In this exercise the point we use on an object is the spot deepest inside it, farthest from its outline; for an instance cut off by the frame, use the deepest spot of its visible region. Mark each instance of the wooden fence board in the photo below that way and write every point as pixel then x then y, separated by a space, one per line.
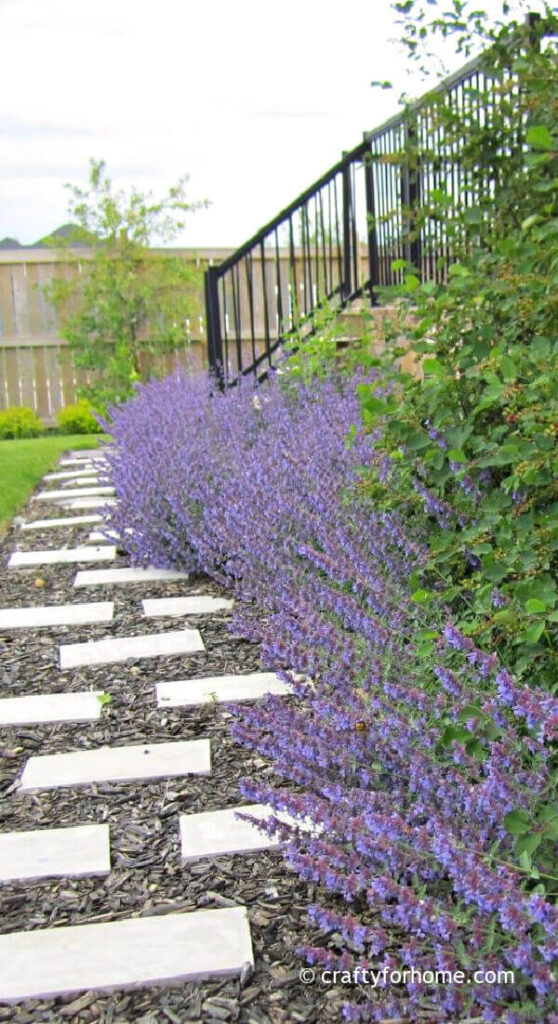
pixel 12 377
pixel 26 372
pixel 52 367
pixel 42 403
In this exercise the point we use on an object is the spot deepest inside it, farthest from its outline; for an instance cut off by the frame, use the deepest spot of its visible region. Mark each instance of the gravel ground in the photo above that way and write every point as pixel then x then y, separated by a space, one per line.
pixel 146 877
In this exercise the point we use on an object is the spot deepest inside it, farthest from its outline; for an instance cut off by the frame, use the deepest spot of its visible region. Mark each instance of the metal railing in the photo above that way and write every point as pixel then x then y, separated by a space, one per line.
pixel 341 237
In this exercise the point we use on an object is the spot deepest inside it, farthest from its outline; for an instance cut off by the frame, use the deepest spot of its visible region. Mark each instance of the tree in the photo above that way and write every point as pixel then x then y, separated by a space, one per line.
pixel 124 298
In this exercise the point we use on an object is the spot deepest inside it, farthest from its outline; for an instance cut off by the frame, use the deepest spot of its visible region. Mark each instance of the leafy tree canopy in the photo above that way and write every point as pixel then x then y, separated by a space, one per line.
pixel 125 303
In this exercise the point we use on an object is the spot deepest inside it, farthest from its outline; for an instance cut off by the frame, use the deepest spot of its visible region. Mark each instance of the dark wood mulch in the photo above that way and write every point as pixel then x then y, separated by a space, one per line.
pixel 143 818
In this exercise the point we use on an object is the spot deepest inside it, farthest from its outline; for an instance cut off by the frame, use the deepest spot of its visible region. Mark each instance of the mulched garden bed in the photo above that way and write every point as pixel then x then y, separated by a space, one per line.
pixel 143 818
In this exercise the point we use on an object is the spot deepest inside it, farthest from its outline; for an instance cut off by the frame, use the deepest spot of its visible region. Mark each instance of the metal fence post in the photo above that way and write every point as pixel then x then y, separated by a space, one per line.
pixel 347 285
pixel 372 235
pixel 410 198
pixel 213 319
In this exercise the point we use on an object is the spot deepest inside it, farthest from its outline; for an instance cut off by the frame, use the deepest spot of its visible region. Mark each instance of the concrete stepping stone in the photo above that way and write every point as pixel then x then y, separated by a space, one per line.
pixel 201 604
pixel 91 480
pixel 116 764
pixel 79 492
pixel 102 577
pixel 46 524
pixel 164 950
pixel 75 503
pixel 71 474
pixel 120 648
pixel 62 556
pixel 76 463
pixel 252 686
pixel 56 615
pixel 55 852
pixel 214 833
pixel 91 453
pixel 96 537
pixel 40 708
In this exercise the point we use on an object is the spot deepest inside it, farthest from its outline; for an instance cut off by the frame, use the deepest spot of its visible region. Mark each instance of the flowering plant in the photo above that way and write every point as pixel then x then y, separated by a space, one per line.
pixel 425 766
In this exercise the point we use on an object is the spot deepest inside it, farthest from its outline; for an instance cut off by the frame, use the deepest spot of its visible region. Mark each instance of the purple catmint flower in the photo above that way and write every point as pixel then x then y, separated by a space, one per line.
pixel 260 495
pixel 456 639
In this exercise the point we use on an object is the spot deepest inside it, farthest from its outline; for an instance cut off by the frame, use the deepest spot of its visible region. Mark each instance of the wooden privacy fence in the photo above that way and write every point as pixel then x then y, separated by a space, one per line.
pixel 36 368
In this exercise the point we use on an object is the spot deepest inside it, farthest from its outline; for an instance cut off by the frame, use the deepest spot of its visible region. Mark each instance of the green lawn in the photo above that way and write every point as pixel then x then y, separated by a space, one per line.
pixel 23 463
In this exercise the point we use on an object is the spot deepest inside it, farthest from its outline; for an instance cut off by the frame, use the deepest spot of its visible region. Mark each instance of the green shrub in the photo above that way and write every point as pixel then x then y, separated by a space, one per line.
pixel 78 419
pixel 18 421
pixel 473 443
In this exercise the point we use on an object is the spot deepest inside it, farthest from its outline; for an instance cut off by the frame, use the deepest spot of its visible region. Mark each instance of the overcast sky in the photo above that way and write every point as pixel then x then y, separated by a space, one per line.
pixel 252 99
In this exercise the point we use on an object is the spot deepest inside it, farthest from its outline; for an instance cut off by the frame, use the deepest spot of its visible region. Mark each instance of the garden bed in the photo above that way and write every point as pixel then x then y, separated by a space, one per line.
pixel 143 819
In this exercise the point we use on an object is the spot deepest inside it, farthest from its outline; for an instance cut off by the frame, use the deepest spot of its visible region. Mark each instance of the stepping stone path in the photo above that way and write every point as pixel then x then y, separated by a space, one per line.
pixel 152 949
pixel 24 559
pixel 76 851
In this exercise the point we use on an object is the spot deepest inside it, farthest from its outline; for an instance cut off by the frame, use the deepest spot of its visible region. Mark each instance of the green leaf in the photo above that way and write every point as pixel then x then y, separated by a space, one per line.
pixel 433 366
pixel 495 570
pixel 474 215
pixel 421 596
pixel 548 813
pixel 533 632
pixel 525 860
pixel 533 605
pixel 509 369
pixel 417 442
pixel 543 588
pixel 456 455
pixel 429 287
pixel 539 137
pixel 476 749
pixel 500 456
pixel 411 282
pixel 528 844
pixel 454 732
pixel 528 223
pixel 458 270
pixel 470 711
pixel 376 405
pixel 504 615
pixel 517 823
pixel 549 818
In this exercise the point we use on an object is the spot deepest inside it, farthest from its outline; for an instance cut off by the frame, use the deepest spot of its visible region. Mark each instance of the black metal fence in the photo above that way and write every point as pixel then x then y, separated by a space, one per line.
pixel 341 237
